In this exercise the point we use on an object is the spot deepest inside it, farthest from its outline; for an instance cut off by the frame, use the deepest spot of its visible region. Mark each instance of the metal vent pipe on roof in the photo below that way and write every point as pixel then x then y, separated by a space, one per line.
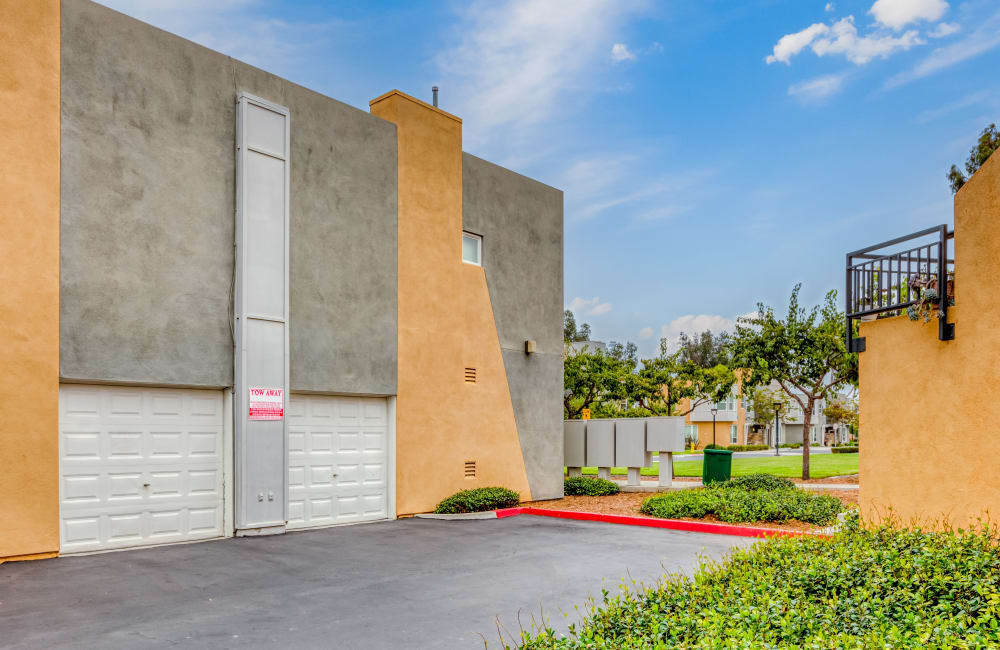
pixel 434 92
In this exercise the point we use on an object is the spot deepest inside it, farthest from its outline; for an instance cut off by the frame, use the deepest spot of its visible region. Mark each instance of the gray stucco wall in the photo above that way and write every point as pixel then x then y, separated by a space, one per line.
pixel 521 222
pixel 147 219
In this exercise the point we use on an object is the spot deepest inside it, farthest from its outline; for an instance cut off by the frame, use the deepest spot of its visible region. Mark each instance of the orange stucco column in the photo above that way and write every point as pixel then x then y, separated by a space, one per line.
pixel 29 279
pixel 446 325
pixel 928 408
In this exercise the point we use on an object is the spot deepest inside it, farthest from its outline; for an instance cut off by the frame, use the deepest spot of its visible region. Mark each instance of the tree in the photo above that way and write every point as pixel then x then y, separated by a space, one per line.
pixel 587 378
pixel 706 349
pixel 572 334
pixel 805 353
pixel 661 383
pixel 842 410
pixel 759 402
pixel 989 141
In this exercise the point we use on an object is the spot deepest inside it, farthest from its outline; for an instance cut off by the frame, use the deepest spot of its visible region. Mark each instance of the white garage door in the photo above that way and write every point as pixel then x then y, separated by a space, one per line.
pixel 337 460
pixel 139 466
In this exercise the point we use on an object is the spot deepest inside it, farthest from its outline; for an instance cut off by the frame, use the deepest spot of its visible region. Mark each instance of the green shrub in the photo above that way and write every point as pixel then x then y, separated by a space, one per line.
pixel 844 450
pixel 478 500
pixel 767 482
pixel 741 506
pixel 865 588
pixel 594 487
pixel 791 445
pixel 713 446
pixel 746 447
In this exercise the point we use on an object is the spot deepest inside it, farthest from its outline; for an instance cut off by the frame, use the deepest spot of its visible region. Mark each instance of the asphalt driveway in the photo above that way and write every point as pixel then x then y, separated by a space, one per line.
pixel 412 583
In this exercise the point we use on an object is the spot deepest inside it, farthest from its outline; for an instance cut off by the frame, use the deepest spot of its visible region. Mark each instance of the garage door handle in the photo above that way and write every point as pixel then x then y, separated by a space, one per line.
pixel 145 485
pixel 334 475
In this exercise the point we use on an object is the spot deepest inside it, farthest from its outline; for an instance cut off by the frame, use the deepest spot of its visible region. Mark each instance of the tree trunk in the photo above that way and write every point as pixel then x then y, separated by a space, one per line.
pixel 806 422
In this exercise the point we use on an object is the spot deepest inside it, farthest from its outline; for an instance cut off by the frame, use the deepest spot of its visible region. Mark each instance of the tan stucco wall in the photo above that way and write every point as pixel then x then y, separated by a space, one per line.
pixel 721 427
pixel 929 446
pixel 29 278
pixel 445 325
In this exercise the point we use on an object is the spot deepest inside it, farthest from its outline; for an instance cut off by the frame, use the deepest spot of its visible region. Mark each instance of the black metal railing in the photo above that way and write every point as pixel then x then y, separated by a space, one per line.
pixel 887 279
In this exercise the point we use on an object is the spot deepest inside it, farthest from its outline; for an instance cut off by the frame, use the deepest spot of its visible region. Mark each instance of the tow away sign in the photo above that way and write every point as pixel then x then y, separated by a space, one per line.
pixel 267 403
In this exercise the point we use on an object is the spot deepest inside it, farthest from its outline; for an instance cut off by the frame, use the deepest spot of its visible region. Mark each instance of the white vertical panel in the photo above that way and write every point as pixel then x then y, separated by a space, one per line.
pixel 261 311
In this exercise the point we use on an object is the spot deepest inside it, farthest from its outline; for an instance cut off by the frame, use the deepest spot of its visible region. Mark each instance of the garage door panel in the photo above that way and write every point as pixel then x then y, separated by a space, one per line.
pixel 139 466
pixel 337 460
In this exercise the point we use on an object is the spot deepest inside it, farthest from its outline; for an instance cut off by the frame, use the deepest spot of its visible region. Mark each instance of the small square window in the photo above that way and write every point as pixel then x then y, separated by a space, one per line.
pixel 472 249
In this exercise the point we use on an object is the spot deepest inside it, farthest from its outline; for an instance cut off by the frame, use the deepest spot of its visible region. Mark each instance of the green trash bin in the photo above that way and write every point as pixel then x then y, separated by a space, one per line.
pixel 717 466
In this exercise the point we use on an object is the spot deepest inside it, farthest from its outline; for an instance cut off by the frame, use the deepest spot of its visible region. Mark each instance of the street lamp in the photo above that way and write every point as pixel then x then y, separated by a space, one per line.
pixel 777 409
pixel 714 411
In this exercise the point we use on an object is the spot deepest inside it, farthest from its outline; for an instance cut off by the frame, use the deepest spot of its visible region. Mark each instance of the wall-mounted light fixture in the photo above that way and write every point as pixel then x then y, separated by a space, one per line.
pixel 530 347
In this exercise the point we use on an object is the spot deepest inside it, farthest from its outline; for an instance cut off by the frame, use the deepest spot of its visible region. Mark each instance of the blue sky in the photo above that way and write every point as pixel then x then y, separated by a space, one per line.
pixel 712 153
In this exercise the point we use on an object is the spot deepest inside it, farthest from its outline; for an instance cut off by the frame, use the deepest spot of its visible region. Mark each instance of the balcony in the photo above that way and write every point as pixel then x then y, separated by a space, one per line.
pixel 703 413
pixel 889 279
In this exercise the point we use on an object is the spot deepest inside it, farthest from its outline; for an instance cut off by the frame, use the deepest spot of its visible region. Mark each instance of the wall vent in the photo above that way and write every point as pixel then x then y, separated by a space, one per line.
pixel 470 375
pixel 470 469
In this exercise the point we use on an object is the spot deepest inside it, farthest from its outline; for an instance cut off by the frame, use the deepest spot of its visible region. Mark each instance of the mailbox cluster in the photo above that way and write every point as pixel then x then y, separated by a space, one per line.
pixel 623 442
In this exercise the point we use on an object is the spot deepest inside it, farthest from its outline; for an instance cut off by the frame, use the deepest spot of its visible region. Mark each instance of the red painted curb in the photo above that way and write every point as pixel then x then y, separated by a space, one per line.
pixel 672 524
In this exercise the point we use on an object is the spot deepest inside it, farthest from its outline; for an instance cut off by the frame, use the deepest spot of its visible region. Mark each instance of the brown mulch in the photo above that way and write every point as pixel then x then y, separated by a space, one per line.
pixel 851 479
pixel 627 503
pixel 848 497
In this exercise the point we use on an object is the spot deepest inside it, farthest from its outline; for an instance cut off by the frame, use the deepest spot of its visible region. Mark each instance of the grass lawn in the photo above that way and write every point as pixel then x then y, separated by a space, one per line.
pixel 820 466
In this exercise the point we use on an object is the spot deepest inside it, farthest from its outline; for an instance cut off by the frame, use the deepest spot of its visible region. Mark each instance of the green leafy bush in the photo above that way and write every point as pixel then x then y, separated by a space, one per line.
pixel 791 445
pixel 713 446
pixel 768 482
pixel 741 506
pixel 594 487
pixel 746 447
pixel 844 450
pixel 478 500
pixel 865 588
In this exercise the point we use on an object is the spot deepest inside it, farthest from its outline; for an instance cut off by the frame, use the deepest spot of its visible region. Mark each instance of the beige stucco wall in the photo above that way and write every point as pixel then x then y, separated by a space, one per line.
pixel 446 324
pixel 29 278
pixel 722 430
pixel 930 451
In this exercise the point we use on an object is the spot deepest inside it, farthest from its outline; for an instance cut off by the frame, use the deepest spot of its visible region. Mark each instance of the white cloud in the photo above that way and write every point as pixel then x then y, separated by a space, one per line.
pixel 944 29
pixel 514 63
pixel 656 198
pixel 791 44
pixel 237 28
pixel 620 52
pixel 978 99
pixel 591 307
pixel 899 13
pixel 646 333
pixel 982 40
pixel 817 89
pixel 842 38
pixel 694 324
pixel 829 7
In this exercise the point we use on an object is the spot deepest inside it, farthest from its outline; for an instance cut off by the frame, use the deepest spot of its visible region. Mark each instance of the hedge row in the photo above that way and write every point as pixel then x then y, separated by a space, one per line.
pixel 478 500
pixel 741 506
pixel 594 487
pixel 746 447
pixel 865 588
pixel 844 450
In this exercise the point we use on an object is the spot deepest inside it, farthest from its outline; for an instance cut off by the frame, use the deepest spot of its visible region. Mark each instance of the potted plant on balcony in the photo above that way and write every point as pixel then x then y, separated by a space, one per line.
pixel 929 302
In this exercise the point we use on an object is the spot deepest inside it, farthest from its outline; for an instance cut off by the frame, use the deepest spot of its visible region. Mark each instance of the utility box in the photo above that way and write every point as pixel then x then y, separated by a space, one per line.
pixel 665 434
pixel 574 443
pixel 630 443
pixel 600 450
